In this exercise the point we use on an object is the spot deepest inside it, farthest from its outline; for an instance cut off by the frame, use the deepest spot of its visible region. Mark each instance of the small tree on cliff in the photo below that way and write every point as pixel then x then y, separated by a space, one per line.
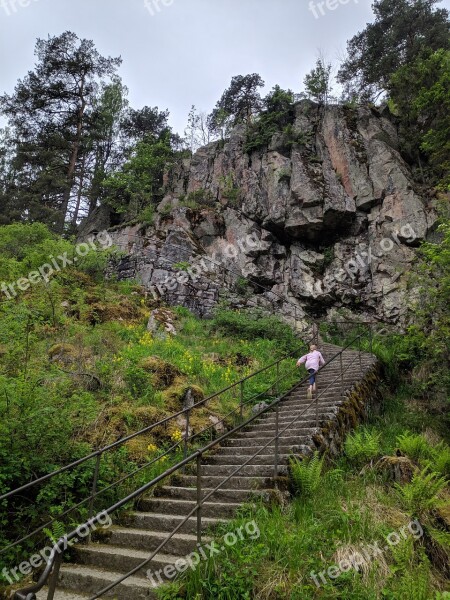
pixel 318 82
pixel 239 103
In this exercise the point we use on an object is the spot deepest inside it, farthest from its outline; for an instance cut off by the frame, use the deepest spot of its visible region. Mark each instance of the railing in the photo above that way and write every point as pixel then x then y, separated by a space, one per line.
pixel 51 572
pixel 235 389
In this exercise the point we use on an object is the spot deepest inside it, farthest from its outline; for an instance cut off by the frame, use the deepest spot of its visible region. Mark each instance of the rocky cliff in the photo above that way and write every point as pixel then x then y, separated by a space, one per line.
pixel 327 218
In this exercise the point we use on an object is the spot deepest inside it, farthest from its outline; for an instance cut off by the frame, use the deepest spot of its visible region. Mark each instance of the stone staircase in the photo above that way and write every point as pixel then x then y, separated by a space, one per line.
pixel 124 546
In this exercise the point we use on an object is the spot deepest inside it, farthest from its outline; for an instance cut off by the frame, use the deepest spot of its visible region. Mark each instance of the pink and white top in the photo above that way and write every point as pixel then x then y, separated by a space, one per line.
pixel 313 360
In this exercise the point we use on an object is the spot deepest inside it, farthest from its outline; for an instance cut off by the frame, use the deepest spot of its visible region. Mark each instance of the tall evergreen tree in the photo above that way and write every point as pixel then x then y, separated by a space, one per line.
pixel 238 104
pixel 403 31
pixel 51 113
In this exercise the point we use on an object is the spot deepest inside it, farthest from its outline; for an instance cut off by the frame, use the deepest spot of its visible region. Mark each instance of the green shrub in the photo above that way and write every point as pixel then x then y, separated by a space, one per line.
pixel 422 493
pixel 307 474
pixel 415 446
pixel 253 324
pixel 198 199
pixel 147 216
pixel 440 459
pixel 362 446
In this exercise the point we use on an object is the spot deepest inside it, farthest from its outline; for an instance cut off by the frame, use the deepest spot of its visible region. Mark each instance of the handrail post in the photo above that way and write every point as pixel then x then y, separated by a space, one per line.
pixel 241 407
pixel 277 440
pixel 94 491
pixel 199 499
pixel 342 375
pixel 317 409
pixel 55 575
pixel 186 435
pixel 277 383
pixel 359 351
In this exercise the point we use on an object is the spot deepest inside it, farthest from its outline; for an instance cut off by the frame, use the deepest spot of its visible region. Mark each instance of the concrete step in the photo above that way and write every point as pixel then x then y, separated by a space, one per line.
pixel 61 595
pixel 236 482
pixel 251 450
pixel 223 496
pixel 250 470
pixel 91 580
pixel 138 539
pixel 286 417
pixel 154 521
pixel 239 459
pixel 121 560
pixel 170 506
pixel 303 419
pixel 285 440
pixel 268 433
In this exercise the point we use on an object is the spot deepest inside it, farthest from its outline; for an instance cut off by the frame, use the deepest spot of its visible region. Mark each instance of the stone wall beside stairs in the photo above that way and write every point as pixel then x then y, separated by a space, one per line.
pixel 361 402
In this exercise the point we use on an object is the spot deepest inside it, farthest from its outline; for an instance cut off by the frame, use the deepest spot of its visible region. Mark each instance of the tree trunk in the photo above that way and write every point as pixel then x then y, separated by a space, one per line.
pixel 72 163
pixel 79 195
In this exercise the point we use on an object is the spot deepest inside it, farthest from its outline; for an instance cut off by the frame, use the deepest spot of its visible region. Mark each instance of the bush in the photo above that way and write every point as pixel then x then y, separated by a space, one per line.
pixel 255 324
pixel 414 446
pixel 306 474
pixel 422 493
pixel 362 446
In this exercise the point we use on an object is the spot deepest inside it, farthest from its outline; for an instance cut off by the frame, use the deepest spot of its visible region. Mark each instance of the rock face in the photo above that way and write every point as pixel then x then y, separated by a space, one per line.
pixel 325 219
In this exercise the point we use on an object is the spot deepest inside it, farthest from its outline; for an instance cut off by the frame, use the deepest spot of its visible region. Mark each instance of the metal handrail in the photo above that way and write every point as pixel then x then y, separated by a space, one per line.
pixel 55 558
pixel 122 441
pixel 100 452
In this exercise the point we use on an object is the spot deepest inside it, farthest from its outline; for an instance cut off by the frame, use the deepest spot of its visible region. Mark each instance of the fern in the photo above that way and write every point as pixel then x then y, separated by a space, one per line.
pixel 421 494
pixel 306 474
pixel 57 531
pixel 413 568
pixel 415 584
pixel 440 459
pixel 414 446
pixel 362 446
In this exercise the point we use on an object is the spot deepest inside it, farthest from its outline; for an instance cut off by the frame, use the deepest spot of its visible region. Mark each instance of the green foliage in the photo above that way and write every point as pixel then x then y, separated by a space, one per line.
pixel 277 117
pixel 147 216
pixel 138 184
pixel 362 446
pixel 229 191
pixel 53 113
pixel 414 446
pixel 440 459
pixel 422 493
pixel 424 109
pixel 238 103
pixel 402 31
pixel 317 82
pixel 307 474
pixel 198 199
pixel 253 324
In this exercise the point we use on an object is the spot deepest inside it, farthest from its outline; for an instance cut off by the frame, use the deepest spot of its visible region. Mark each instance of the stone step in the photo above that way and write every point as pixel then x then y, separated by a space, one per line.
pixel 236 482
pixel 91 580
pixel 239 459
pixel 303 419
pixel 285 440
pixel 154 521
pixel 180 544
pixel 250 470
pixel 61 595
pixel 268 433
pixel 170 506
pixel 289 415
pixel 122 560
pixel 250 450
pixel 223 495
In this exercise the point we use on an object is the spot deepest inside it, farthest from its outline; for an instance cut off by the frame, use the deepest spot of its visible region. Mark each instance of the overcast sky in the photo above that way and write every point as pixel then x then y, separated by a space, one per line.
pixel 182 52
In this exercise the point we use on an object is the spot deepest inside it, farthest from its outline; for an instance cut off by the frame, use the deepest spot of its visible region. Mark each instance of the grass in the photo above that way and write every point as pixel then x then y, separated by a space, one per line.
pixel 348 511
